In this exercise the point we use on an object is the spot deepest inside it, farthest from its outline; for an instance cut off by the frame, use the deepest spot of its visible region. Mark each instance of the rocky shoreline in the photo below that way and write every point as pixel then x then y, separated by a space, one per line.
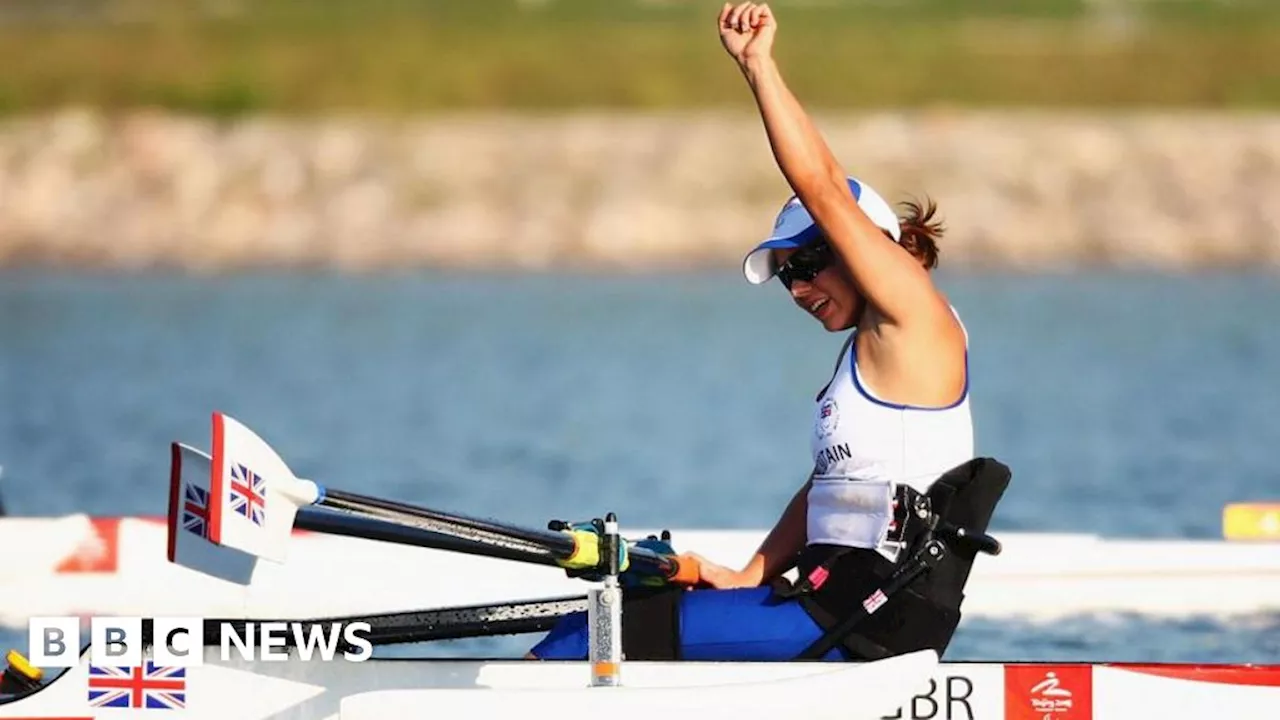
pixel 1016 189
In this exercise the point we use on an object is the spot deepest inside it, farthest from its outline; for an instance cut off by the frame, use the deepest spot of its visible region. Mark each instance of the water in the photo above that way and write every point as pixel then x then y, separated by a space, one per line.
pixel 1125 404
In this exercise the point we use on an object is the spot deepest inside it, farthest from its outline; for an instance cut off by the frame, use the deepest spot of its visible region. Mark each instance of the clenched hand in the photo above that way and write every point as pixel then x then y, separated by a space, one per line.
pixel 747 31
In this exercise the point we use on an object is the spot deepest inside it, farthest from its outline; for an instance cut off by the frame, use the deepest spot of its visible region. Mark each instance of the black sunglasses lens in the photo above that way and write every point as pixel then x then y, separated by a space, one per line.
pixel 805 264
pixel 790 274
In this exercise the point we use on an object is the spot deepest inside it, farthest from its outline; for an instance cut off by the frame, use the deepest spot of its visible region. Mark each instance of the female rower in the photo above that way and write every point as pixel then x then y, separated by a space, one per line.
pixel 895 413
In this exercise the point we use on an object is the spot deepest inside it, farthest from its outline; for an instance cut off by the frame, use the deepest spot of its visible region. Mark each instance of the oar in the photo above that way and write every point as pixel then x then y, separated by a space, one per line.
pixel 518 617
pixel 565 549
pixel 256 498
pixel 327 522
pixel 323 520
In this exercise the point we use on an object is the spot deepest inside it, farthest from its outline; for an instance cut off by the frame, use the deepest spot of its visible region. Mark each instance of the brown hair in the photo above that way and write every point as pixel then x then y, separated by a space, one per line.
pixel 920 231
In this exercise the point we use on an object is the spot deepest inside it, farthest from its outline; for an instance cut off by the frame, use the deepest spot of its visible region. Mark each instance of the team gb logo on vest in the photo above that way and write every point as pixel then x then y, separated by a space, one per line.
pixel 828 417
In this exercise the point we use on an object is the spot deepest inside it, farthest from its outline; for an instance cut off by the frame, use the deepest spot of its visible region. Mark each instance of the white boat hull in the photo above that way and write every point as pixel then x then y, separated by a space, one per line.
pixel 668 690
pixel 907 688
pixel 117 566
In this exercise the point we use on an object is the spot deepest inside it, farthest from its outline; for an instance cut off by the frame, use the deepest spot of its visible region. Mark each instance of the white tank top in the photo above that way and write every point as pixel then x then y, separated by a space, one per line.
pixel 864 447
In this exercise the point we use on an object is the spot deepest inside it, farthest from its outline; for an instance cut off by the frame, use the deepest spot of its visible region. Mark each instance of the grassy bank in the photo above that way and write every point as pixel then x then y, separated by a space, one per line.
pixel 296 56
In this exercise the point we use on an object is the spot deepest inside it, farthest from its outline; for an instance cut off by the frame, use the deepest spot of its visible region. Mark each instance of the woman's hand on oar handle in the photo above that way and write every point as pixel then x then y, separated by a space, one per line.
pixel 712 574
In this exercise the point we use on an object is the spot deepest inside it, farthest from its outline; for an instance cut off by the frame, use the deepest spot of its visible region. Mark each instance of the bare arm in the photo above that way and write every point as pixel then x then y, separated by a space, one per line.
pixel 892 280
pixel 777 554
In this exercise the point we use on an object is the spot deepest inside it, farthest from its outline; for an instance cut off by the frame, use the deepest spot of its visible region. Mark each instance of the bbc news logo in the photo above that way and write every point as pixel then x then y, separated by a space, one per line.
pixel 55 642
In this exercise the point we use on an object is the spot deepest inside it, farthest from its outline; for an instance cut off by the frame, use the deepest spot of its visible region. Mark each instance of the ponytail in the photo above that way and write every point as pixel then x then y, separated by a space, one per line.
pixel 920 231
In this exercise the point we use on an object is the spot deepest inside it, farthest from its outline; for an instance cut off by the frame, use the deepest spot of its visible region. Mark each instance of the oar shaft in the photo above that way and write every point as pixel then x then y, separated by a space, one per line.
pixel 552 545
pixel 369 528
pixel 414 626
pixel 545 547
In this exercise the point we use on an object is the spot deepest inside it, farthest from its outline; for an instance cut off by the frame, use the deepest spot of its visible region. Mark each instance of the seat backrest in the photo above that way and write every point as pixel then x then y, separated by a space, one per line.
pixel 965 496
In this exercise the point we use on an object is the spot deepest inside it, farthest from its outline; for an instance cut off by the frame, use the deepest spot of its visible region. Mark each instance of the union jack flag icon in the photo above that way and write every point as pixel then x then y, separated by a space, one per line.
pixel 195 510
pixel 248 493
pixel 155 687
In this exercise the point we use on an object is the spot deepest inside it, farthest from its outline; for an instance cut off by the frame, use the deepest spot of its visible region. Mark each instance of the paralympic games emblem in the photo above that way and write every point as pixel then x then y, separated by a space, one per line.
pixel 828 417
pixel 1053 692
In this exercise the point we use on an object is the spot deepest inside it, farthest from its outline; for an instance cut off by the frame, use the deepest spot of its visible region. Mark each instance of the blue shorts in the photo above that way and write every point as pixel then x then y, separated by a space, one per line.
pixel 715 625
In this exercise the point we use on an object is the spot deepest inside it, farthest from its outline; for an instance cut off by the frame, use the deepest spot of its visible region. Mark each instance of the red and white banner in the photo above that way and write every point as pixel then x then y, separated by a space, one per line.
pixel 1104 691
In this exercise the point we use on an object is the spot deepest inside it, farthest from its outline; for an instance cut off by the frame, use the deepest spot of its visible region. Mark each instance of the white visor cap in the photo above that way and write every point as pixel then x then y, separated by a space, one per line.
pixel 794 227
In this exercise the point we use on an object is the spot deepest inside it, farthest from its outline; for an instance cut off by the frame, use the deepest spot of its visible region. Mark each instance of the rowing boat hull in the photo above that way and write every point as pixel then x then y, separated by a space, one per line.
pixel 117 566
pixel 915 688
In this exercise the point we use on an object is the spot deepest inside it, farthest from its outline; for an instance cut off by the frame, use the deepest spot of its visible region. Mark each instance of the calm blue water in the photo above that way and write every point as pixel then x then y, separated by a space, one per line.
pixel 1125 404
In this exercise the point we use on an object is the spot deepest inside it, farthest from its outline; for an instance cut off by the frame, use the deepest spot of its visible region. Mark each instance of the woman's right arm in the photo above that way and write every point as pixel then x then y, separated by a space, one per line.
pixel 776 555
pixel 892 280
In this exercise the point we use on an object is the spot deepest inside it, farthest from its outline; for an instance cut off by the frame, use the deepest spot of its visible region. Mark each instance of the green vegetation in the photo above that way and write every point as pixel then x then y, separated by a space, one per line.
pixel 299 56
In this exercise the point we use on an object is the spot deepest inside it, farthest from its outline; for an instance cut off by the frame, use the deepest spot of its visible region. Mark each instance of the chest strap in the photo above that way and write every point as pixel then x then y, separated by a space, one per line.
pixel 927 623
pixel 910 511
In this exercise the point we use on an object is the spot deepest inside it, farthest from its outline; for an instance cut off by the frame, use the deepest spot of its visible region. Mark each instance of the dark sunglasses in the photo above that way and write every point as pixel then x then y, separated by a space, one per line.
pixel 805 263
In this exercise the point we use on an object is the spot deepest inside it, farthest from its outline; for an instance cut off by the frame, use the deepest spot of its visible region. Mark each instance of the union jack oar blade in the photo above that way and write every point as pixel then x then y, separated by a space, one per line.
pixel 254 496
pixel 188 520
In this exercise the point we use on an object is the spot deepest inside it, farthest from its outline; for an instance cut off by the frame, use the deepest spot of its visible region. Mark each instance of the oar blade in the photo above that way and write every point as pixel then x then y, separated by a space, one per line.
pixel 254 494
pixel 188 532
